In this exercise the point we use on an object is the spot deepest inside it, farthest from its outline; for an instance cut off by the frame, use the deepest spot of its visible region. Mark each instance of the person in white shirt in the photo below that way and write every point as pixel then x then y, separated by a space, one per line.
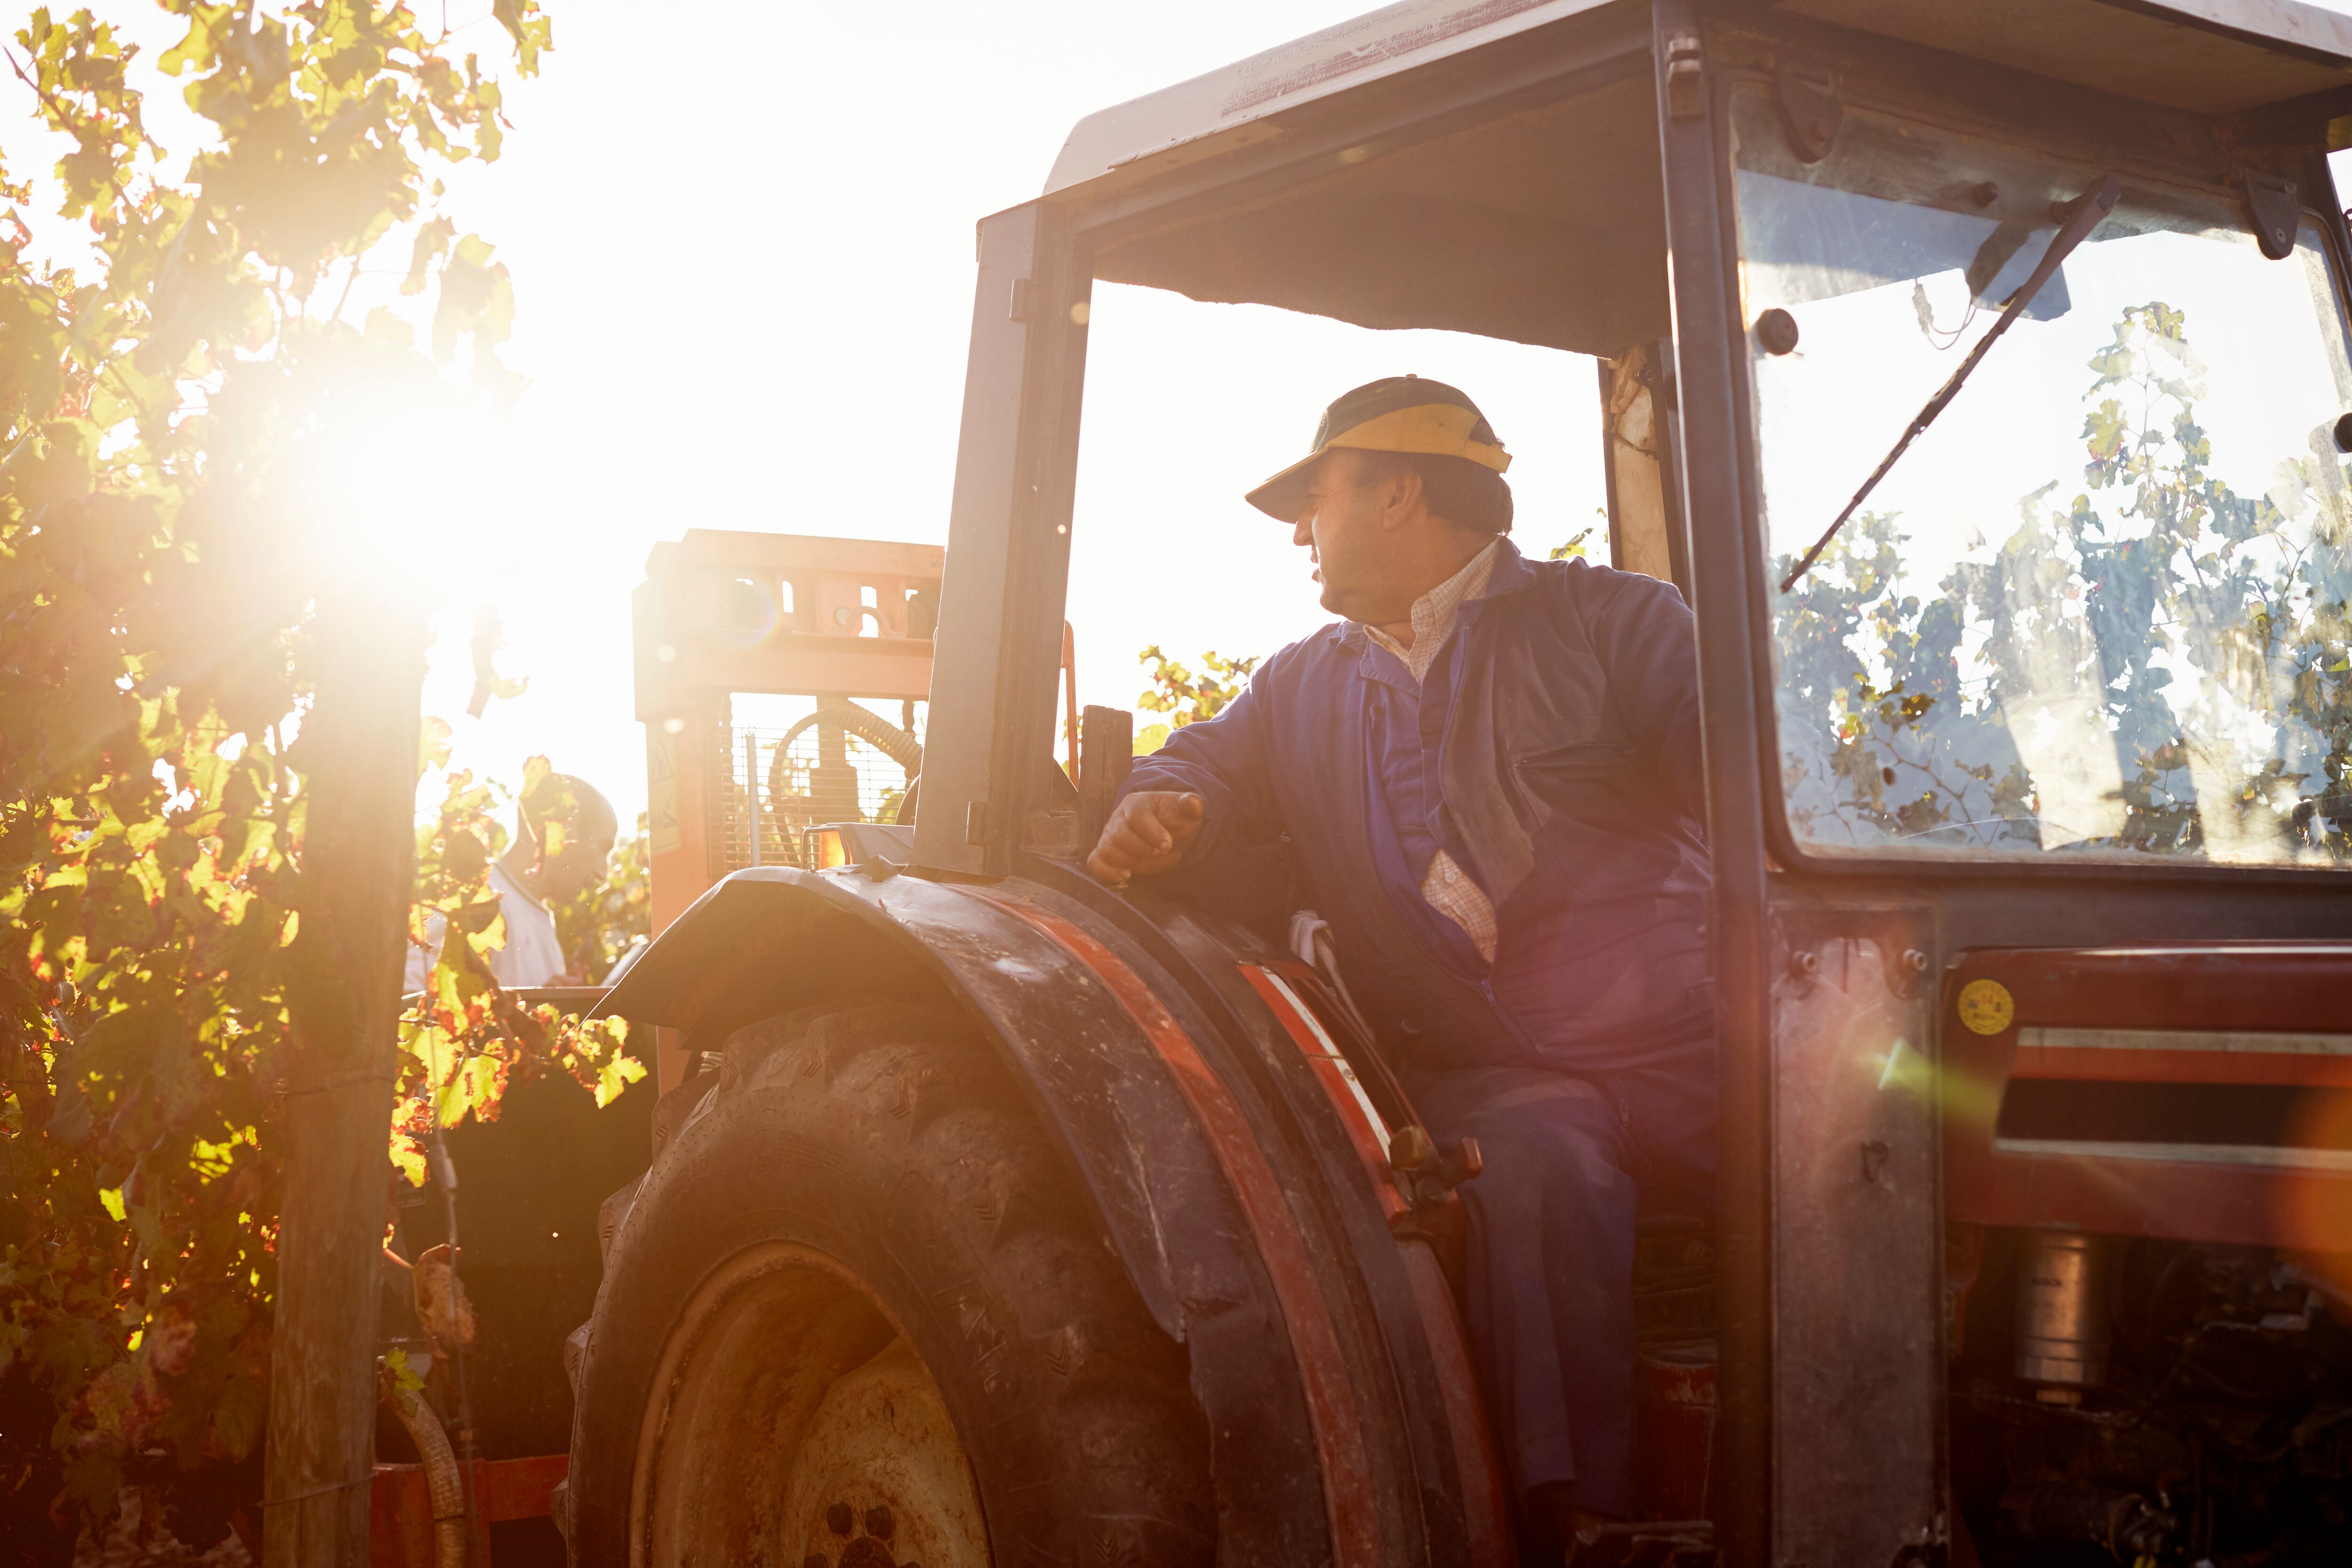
pixel 530 878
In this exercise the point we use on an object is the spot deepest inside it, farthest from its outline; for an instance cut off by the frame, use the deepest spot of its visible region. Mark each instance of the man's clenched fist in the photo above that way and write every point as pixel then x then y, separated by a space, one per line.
pixel 1147 832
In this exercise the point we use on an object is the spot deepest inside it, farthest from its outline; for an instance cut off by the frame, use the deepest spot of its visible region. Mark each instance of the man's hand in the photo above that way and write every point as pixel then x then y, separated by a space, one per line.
pixel 1147 833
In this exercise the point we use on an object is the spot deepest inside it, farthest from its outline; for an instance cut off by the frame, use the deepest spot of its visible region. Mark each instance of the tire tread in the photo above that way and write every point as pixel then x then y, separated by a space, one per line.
pixel 1089 1418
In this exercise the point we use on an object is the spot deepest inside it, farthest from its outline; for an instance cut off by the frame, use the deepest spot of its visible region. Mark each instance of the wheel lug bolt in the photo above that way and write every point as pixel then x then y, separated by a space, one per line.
pixel 838 1519
pixel 878 1521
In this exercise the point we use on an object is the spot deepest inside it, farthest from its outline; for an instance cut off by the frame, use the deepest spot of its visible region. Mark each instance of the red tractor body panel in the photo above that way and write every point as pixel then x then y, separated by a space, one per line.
pixel 2195 1092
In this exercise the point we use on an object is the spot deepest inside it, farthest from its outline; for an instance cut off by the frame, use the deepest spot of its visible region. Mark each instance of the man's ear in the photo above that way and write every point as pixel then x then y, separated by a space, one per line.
pixel 1402 501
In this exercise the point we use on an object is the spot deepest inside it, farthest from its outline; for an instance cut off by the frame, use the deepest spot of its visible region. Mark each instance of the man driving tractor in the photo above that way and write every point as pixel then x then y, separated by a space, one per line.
pixel 1488 775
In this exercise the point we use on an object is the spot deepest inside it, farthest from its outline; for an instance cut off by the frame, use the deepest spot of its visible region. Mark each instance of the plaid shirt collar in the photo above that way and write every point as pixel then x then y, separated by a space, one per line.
pixel 1434 614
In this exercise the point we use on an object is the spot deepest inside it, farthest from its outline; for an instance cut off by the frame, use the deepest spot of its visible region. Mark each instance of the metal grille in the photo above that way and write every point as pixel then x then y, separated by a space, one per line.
pixel 790 772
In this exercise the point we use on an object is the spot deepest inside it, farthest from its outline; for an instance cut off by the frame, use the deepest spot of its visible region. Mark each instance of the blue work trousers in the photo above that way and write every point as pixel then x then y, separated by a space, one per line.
pixel 1569 1161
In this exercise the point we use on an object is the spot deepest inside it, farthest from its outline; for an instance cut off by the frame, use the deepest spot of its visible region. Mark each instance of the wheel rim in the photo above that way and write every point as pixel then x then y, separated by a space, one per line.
pixel 791 1422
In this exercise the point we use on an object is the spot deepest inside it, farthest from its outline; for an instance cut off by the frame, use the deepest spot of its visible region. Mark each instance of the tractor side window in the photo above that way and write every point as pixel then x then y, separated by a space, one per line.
pixel 2099 606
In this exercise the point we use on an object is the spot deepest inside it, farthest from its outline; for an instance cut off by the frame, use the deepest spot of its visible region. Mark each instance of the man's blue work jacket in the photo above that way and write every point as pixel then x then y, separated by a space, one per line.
pixel 1569 774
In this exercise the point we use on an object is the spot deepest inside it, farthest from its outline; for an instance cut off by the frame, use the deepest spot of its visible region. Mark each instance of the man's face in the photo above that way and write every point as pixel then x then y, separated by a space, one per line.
pixel 587 852
pixel 1342 527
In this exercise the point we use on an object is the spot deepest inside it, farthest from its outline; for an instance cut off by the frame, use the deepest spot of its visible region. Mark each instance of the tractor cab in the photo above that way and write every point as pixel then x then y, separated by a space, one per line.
pixel 1980 376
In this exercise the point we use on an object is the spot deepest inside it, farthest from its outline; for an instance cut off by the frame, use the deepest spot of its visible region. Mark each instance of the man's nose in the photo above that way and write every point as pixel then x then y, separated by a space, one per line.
pixel 1303 531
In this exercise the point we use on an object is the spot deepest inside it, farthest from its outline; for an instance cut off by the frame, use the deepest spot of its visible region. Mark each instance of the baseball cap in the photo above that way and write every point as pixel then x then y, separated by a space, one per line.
pixel 1394 413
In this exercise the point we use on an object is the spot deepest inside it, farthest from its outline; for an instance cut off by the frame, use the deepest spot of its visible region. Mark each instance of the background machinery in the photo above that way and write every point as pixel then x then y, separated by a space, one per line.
pixel 781 680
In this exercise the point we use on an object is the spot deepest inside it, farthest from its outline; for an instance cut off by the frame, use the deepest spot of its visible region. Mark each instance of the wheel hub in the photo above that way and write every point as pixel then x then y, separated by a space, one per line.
pixel 880 1480
pixel 792 1423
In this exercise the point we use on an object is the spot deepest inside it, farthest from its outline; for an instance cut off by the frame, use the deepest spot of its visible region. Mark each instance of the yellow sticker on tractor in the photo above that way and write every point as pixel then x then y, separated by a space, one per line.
pixel 1987 1008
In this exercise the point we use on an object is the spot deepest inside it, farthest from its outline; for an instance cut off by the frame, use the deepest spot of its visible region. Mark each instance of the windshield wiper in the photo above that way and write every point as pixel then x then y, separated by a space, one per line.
pixel 2081 217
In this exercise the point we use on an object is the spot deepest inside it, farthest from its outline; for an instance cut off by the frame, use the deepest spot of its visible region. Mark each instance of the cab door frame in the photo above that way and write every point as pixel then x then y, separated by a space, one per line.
pixel 999 648
pixel 1832 1218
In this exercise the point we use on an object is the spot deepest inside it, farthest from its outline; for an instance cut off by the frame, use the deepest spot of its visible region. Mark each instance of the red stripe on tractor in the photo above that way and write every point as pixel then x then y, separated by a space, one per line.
pixel 1486 1511
pixel 2105 1064
pixel 1323 1368
pixel 1325 1067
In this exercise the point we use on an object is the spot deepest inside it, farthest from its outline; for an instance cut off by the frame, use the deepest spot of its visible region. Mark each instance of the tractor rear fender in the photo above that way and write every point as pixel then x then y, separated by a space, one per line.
pixel 1323 1351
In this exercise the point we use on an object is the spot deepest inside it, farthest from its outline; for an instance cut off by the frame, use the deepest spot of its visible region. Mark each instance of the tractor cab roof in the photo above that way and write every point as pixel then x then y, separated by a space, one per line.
pixel 1542 223
pixel 2212 57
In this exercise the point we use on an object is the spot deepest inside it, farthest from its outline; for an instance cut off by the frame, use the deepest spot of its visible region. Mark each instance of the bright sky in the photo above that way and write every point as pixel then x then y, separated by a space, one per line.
pixel 741 239
pixel 744 276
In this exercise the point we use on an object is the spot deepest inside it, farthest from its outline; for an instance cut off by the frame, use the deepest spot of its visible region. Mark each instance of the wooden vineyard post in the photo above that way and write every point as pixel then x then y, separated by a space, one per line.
pixel 359 749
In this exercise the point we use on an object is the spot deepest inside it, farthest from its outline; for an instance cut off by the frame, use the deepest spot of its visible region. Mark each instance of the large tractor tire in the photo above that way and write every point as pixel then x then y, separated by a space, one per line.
pixel 860 1313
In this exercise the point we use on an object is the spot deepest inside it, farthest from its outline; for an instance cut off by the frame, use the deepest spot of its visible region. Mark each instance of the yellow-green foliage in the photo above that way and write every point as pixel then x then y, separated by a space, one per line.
pixel 1184 697
pixel 158 562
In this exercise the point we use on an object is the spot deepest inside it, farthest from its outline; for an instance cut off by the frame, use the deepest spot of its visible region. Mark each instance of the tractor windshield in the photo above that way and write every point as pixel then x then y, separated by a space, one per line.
pixel 2099 606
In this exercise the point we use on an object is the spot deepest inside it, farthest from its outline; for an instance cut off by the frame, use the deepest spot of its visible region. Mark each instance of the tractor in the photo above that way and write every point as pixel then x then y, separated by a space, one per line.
pixel 993 1215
